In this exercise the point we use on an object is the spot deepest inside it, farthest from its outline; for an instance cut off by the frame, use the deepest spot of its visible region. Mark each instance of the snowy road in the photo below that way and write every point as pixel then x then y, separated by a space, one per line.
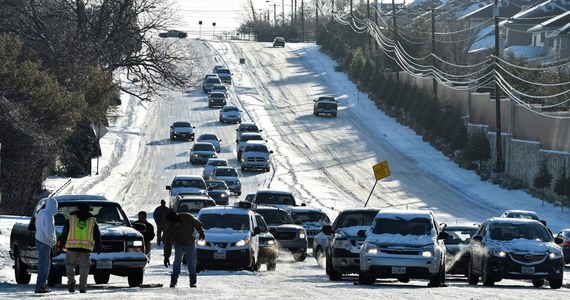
pixel 326 162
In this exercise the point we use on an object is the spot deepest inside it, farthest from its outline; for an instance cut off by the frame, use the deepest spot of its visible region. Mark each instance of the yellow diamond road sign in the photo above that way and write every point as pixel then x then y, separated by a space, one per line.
pixel 381 170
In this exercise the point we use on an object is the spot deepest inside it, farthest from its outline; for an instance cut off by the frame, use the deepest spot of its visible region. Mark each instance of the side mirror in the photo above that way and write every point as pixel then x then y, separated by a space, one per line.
pixel 211 188
pixel 168 187
pixel 260 130
pixel 327 229
pixel 477 238
pixel 443 235
pixel 361 233
pixel 271 152
pixel 256 230
pixel 303 204
pixel 558 240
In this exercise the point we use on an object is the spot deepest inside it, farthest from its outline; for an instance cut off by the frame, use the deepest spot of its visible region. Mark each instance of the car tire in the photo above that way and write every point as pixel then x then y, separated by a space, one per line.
pixel 271 266
pixel 472 278
pixel 136 279
pixel 101 278
pixel 487 278
pixel 537 283
pixel 333 274
pixel 300 256
pixel 366 279
pixel 555 283
pixel 21 270
pixel 439 278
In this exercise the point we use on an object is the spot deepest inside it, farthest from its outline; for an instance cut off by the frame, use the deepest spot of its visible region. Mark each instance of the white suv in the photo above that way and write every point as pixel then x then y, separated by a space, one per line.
pixel 403 244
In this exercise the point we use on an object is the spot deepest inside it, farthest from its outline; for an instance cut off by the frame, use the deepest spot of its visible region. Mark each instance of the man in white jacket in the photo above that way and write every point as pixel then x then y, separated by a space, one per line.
pixel 45 240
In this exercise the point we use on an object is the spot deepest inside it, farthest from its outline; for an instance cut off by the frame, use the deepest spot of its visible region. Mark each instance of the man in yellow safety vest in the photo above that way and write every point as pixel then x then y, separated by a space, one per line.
pixel 80 236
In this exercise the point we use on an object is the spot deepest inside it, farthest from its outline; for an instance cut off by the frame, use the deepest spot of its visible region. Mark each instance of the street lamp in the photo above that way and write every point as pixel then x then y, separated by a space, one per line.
pixel 213 30
pixel 200 32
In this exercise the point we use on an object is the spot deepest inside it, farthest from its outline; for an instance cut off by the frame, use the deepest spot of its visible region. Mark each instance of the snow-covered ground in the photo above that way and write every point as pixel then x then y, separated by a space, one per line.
pixel 326 162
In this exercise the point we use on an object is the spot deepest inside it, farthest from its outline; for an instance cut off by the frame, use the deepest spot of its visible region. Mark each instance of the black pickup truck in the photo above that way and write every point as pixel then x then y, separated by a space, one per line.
pixel 122 250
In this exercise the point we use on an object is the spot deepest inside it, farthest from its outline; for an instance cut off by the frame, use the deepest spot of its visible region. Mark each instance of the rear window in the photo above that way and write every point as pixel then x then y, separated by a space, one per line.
pixel 275 216
pixel 280 199
pixel 311 217
pixel 363 218
pixel 194 205
pixel 189 183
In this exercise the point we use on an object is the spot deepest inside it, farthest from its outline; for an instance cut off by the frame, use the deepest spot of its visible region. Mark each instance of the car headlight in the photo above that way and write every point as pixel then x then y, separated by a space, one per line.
pixel 371 249
pixel 243 160
pixel 302 234
pixel 242 242
pixel 427 253
pixel 555 255
pixel 342 244
pixel 498 253
pixel 238 182
pixel 135 246
pixel 269 242
pixel 201 242
pixel 194 155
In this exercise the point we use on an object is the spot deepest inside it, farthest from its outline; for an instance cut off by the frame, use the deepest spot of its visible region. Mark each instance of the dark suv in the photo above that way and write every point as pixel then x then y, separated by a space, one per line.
pixel 289 236
pixel 279 42
pixel 325 106
pixel 508 248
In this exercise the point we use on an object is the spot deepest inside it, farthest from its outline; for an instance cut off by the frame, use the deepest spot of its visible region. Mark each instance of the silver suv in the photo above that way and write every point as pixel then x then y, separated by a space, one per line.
pixel 403 244
pixel 255 155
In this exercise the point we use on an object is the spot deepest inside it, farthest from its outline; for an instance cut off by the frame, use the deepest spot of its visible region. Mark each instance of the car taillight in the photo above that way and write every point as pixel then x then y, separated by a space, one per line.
pixel 566 243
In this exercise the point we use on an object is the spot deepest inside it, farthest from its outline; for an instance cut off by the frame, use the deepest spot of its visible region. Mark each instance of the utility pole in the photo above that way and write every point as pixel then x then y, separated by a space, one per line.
pixel 350 21
pixel 498 146
pixel 433 54
pixel 274 14
pixel 376 19
pixel 396 41
pixel 316 16
pixel 295 11
pixel 283 11
pixel 332 10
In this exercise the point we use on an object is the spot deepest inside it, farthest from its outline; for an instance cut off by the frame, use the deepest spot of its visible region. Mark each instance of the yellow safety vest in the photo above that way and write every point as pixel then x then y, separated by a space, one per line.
pixel 80 233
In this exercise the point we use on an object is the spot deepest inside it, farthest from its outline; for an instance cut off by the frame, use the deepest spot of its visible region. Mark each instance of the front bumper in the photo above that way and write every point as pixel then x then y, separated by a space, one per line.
pixel 201 158
pixel 231 119
pixel 116 263
pixel 225 259
pixel 345 262
pixel 183 135
pixel 508 268
pixel 400 266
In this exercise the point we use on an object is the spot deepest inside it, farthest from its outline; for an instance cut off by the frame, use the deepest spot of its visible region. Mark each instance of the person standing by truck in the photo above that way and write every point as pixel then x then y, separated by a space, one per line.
pixel 80 236
pixel 159 217
pixel 179 230
pixel 147 230
pixel 45 240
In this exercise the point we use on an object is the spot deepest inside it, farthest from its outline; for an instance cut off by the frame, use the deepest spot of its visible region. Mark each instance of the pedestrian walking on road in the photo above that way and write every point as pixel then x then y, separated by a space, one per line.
pixel 147 230
pixel 179 229
pixel 159 217
pixel 80 236
pixel 45 240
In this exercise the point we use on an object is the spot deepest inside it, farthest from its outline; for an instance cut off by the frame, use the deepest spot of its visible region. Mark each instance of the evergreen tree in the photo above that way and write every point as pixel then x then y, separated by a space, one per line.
pixel 478 148
pixel 543 179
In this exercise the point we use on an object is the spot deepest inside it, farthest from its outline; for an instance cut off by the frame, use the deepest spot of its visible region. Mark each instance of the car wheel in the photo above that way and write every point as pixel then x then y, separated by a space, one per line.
pixel 267 169
pixel 102 278
pixel 21 270
pixel 487 278
pixel 437 279
pixel 365 278
pixel 239 193
pixel 300 256
pixel 537 283
pixel 136 279
pixel 333 274
pixel 555 283
pixel 271 266
pixel 472 277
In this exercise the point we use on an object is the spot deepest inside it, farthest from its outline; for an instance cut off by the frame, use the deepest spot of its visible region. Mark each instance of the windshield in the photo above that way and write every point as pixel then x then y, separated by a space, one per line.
pixel 235 222
pixel 253 137
pixel 256 148
pixel 280 199
pixel 182 124
pixel 189 183
pixel 327 105
pixel 508 231
pixel 105 213
pixel 194 205
pixel 208 137
pixel 249 128
pixel 311 217
pixel 223 71
pixel 204 147
pixel 415 226
pixel 230 172
pixel 213 80
pixel 218 163
pixel 459 236
pixel 231 108
pixel 276 216
pixel 217 185
pixel 361 218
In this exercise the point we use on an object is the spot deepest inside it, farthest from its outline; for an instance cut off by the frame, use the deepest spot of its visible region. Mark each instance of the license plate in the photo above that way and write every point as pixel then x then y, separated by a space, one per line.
pixel 220 255
pixel 527 270
pixel 104 264
pixel 398 270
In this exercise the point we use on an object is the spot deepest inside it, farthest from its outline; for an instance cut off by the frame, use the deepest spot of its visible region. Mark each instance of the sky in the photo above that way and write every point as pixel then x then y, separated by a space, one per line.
pixel 113 168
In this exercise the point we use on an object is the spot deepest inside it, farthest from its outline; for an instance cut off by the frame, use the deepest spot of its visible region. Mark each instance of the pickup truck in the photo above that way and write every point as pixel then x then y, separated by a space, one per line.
pixel 325 106
pixel 122 250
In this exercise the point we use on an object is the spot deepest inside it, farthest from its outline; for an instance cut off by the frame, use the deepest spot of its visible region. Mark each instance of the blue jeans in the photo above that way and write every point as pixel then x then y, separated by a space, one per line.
pixel 44 262
pixel 189 251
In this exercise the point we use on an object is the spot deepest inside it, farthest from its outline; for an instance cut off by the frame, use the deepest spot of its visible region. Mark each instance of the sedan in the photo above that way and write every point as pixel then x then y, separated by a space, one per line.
pixel 212 139
pixel 230 114
pixel 182 129
pixel 217 99
pixel 564 235
pixel 211 164
pixel 173 33
pixel 201 152
pixel 219 191
pixel 457 246
pixel 230 176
